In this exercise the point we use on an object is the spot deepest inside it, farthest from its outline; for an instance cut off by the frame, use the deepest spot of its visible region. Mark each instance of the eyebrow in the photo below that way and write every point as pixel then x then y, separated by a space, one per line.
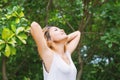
pixel 54 28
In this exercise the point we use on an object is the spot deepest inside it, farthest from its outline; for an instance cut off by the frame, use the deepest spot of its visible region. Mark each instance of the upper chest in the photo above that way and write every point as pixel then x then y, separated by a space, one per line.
pixel 64 64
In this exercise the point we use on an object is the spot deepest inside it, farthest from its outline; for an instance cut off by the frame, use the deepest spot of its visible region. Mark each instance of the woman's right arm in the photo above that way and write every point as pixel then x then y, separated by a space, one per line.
pixel 38 36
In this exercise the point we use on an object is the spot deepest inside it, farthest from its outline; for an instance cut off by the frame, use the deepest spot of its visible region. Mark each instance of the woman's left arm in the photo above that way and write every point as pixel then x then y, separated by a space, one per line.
pixel 73 40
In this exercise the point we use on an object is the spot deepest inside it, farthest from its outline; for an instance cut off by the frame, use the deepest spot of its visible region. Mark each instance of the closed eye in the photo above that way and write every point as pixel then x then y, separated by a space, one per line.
pixel 56 30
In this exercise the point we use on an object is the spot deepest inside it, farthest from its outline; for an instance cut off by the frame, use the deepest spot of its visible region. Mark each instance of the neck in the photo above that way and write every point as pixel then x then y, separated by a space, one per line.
pixel 59 48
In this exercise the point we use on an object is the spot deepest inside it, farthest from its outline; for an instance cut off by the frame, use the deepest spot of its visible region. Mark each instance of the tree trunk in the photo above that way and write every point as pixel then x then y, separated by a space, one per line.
pixel 79 75
pixel 4 75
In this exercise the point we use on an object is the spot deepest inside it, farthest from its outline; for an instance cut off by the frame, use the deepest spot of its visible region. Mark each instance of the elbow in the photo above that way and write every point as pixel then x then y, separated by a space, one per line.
pixel 34 24
pixel 78 33
pixel 33 27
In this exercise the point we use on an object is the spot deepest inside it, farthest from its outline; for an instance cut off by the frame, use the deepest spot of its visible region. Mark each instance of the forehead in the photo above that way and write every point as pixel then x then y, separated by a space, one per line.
pixel 53 28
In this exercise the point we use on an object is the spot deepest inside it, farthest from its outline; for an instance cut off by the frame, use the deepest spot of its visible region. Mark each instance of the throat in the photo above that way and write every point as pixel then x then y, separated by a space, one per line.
pixel 60 49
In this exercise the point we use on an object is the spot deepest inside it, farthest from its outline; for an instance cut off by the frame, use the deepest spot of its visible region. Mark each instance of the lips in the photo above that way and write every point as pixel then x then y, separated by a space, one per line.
pixel 63 33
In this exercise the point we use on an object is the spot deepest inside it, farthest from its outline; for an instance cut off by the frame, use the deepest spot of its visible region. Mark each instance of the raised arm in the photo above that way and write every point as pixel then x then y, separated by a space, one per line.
pixel 38 36
pixel 73 40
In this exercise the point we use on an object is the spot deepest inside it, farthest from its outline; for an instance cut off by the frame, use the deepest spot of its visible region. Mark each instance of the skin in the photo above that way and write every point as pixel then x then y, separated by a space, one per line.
pixel 59 40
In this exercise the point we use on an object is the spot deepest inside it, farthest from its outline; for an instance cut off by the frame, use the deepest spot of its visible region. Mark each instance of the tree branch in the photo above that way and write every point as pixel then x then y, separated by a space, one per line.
pixel 4 75
pixel 48 7
pixel 100 33
pixel 98 3
pixel 69 25
pixel 79 75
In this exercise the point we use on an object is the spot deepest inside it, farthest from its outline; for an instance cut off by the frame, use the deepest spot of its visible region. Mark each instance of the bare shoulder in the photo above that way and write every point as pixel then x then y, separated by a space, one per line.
pixel 47 54
pixel 47 58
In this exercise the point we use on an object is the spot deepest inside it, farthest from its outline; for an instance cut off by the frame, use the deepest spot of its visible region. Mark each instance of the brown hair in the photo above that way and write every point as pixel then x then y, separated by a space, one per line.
pixel 46 31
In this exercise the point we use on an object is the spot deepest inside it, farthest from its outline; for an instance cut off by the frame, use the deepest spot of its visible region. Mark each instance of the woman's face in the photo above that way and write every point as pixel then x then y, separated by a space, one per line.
pixel 57 34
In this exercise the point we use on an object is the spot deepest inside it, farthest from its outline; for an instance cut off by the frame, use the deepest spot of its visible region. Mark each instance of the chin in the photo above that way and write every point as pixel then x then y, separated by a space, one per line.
pixel 65 37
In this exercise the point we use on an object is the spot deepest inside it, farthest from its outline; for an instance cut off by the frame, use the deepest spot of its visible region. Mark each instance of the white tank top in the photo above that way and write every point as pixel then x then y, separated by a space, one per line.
pixel 60 70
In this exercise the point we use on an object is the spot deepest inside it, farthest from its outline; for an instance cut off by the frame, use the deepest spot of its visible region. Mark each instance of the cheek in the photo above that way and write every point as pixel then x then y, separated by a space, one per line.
pixel 55 35
pixel 59 37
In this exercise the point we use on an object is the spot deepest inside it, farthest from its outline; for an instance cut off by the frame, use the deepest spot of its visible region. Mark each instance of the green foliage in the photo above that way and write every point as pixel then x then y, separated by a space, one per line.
pixel 99 45
pixel 15 27
pixel 25 78
pixel 112 37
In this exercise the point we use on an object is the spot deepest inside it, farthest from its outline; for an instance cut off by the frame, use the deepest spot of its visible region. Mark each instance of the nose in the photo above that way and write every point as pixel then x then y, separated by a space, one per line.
pixel 62 30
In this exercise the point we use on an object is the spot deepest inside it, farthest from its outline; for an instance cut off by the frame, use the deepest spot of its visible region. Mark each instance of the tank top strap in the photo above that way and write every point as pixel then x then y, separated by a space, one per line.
pixel 52 65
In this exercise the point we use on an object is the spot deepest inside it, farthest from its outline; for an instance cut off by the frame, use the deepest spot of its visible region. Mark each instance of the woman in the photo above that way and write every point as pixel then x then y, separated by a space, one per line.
pixel 55 48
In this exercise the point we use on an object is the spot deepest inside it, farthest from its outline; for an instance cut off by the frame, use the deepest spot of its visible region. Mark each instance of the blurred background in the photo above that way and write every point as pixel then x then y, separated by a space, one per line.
pixel 97 56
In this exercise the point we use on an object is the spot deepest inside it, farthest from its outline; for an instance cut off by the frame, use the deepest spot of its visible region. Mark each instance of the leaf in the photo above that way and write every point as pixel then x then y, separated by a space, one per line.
pixel 2 42
pixel 17 20
pixel 13 50
pixel 12 42
pixel 21 14
pixel 13 27
pixel 14 14
pixel 110 45
pixel 25 78
pixel 20 29
pixel 93 72
pixel 107 41
pixel 27 29
pixel 7 51
pixel 2 46
pixel 22 38
pixel 103 37
pixel 15 8
pixel 8 16
pixel 7 34
pixel 115 41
